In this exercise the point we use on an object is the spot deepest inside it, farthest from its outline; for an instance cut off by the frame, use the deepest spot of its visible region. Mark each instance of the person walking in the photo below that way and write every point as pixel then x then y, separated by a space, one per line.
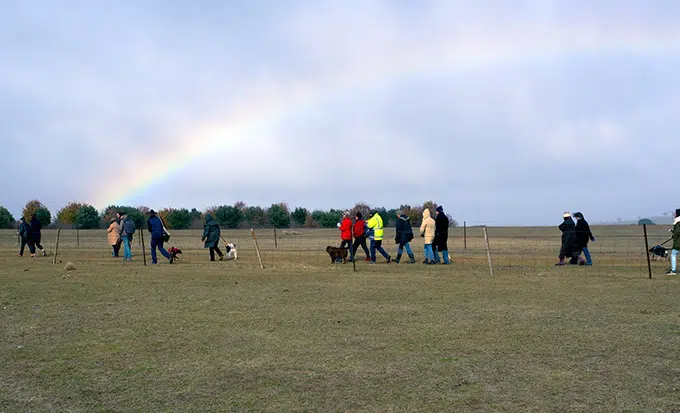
pixel 377 233
pixel 441 236
pixel 427 230
pixel 114 237
pixel 345 227
pixel 359 231
pixel 403 237
pixel 24 232
pixel 157 230
pixel 211 237
pixel 127 230
pixel 36 235
pixel 676 243
pixel 583 235
pixel 568 247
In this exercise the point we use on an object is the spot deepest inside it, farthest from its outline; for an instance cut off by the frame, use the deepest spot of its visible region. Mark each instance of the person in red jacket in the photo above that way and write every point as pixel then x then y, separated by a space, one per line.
pixel 345 228
pixel 360 237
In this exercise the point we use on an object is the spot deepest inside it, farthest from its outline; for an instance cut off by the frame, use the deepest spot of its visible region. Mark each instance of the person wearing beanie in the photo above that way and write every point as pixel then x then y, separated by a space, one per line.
pixel 583 235
pixel 568 247
pixel 676 243
pixel 345 228
pixel 377 233
pixel 441 236
pixel 359 231
pixel 403 237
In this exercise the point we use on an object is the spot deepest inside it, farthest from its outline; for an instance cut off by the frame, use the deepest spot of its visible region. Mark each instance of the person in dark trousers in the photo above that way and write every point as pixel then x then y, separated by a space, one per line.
pixel 36 235
pixel 24 232
pixel 583 235
pixel 441 236
pixel 676 243
pixel 359 231
pixel 211 237
pixel 345 228
pixel 376 234
pixel 568 248
pixel 157 230
pixel 403 237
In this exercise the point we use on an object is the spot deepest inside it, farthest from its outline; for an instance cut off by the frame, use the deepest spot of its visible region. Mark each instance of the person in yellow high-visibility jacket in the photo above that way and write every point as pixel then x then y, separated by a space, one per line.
pixel 376 234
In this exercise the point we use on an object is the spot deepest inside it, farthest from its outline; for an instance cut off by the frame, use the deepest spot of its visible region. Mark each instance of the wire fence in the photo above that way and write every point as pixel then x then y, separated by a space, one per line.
pixel 617 251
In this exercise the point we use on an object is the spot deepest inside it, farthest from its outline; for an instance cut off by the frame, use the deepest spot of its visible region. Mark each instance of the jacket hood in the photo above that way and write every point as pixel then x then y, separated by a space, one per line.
pixel 404 217
pixel 426 213
pixel 208 217
pixel 676 220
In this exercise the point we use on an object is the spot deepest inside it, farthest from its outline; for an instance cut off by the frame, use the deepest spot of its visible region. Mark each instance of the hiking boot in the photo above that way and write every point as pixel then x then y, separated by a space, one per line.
pixel 222 257
pixel 398 258
pixel 368 259
pixel 670 272
pixel 44 253
pixel 389 259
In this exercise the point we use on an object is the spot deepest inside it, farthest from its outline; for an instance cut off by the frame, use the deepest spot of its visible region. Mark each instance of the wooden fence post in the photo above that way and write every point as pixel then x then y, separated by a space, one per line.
pixel 56 247
pixel 257 248
pixel 464 235
pixel 488 250
pixel 141 241
pixel 649 263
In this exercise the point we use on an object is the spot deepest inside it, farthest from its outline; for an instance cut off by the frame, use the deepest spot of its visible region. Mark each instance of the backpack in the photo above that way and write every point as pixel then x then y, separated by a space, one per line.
pixel 129 226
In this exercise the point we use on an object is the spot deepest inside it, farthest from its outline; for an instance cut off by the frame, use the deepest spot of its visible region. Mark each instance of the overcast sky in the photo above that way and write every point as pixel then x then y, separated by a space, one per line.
pixel 503 112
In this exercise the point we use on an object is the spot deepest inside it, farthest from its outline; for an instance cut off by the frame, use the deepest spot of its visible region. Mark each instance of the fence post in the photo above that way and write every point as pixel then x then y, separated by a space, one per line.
pixel 488 250
pixel 141 241
pixel 464 235
pixel 649 263
pixel 77 237
pixel 257 248
pixel 56 247
pixel 276 242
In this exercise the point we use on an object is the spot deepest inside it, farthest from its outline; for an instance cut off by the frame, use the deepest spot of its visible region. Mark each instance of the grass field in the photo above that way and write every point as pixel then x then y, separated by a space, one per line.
pixel 306 335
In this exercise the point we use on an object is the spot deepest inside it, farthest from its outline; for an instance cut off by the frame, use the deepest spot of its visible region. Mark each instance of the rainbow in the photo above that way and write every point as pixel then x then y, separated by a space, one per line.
pixel 243 123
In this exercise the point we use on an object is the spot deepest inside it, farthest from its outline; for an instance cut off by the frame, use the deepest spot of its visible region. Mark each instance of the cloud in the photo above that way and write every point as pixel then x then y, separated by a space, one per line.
pixel 528 107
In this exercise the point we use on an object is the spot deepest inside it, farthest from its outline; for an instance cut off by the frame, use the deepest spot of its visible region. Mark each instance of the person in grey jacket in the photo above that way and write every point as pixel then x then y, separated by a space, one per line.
pixel 127 229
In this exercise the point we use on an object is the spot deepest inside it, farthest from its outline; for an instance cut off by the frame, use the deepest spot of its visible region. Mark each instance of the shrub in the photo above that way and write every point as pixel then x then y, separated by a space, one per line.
pixel 6 218
pixel 228 216
pixel 279 215
pixel 256 217
pixel 87 217
pixel 67 215
pixel 36 207
pixel 300 216
pixel 178 219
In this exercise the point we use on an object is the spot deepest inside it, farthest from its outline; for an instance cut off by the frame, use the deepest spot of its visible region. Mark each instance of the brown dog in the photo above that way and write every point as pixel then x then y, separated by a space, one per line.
pixel 336 253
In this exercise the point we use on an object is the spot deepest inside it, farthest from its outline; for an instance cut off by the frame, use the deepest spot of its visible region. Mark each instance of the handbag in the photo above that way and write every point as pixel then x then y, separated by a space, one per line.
pixel 166 234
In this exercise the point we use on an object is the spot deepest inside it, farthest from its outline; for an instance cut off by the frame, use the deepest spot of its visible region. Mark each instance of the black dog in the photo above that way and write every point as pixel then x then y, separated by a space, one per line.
pixel 174 252
pixel 658 253
pixel 337 253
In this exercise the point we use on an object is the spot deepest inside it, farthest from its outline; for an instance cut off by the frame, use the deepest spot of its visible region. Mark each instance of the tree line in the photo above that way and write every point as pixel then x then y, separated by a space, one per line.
pixel 84 216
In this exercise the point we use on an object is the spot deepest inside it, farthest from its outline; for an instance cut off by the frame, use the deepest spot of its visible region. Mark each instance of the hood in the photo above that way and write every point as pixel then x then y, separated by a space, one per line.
pixel 426 213
pixel 208 217
pixel 404 217
pixel 676 220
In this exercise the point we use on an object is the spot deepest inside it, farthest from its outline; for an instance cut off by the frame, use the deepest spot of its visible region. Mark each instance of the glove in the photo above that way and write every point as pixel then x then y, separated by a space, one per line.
pixel 592 239
pixel 338 224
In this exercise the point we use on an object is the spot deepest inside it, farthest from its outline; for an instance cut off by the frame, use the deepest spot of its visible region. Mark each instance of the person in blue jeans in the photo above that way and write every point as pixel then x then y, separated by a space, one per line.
pixel 157 230
pixel 676 243
pixel 583 235
pixel 127 229
pixel 404 237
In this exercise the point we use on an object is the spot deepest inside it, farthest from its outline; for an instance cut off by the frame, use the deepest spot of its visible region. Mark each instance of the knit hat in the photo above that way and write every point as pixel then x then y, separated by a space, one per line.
pixel 566 215
pixel 677 212
pixel 360 215
pixel 578 215
pixel 440 209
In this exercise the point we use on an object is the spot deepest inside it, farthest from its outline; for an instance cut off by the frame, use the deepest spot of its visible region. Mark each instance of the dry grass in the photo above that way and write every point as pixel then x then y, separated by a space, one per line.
pixel 305 335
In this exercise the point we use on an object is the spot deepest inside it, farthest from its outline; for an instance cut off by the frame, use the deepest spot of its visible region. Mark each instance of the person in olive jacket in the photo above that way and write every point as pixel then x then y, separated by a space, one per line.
pixel 676 243
pixel 403 237
pixel 211 237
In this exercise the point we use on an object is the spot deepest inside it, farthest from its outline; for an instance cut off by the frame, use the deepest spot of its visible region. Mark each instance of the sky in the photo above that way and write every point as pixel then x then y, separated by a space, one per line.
pixel 505 113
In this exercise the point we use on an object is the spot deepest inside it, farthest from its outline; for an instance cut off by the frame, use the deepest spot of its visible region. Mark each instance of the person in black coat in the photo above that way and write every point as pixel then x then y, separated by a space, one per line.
pixel 441 236
pixel 24 232
pixel 36 234
pixel 583 235
pixel 569 247
pixel 403 237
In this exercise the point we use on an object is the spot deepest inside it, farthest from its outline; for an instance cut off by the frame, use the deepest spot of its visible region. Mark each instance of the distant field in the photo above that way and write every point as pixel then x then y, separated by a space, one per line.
pixel 306 335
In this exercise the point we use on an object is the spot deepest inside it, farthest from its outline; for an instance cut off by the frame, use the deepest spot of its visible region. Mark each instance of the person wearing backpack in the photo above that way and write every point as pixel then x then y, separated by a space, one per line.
pixel 127 229
pixel 24 232
pixel 158 233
